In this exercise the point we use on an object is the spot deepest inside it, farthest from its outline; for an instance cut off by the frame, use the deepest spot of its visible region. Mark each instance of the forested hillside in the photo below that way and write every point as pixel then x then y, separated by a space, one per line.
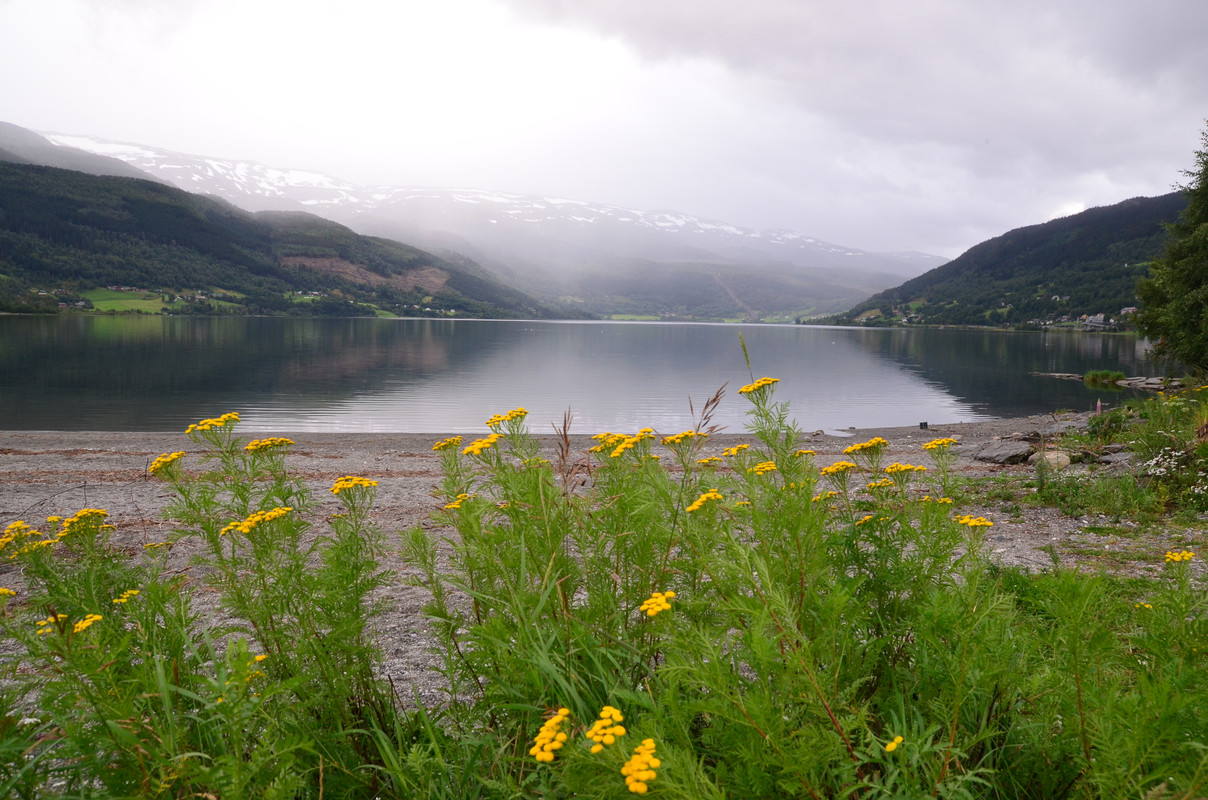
pixel 64 232
pixel 1088 263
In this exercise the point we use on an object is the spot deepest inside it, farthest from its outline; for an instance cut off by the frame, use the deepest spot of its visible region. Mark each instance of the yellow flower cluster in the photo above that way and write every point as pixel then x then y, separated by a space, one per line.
pixel 639 769
pixel 1185 555
pixel 210 424
pixel 630 441
pixel 457 502
pixel 81 517
pixel 929 499
pixel 884 483
pixel 351 481
pixel 763 467
pixel 125 596
pixel 476 447
pixel 50 624
pixel 897 740
pixel 15 532
pixel 254 520
pixel 154 545
pixel 711 461
pixel 939 444
pixel 607 441
pixel 895 468
pixel 838 468
pixel 870 518
pixel 452 441
pixel 659 601
pixel 550 738
pixel 757 385
pixel 7 592
pixel 676 438
pixel 699 502
pixel 974 522
pixel 1143 605
pixel 165 460
pixel 871 444
pixel 257 445
pixel 801 453
pixel 514 414
pixel 84 624
pixel 606 729
pixel 824 496
pixel 730 452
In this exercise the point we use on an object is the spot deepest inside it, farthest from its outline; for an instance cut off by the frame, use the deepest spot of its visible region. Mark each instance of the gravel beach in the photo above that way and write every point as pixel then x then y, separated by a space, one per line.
pixel 45 473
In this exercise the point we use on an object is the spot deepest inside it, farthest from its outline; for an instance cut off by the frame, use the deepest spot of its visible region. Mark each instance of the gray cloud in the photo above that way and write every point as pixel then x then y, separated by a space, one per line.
pixel 927 125
pixel 1025 103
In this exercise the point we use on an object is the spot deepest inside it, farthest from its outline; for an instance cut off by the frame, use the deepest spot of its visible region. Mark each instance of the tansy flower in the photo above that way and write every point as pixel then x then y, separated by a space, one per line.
pixel 550 739
pixel 699 502
pixel 164 461
pixel 711 461
pixel 897 740
pixel 476 447
pixel 457 503
pixel 871 444
pixel 259 445
pixel 679 437
pixel 1185 555
pixel 125 596
pixel 757 385
pixel 735 450
pixel 657 602
pixel 349 481
pixel 893 469
pixel 838 468
pixel 452 441
pixel 639 769
pixel 763 467
pixel 939 444
pixel 606 729
pixel 974 522
pixel 514 414
pixel 210 424
pixel 83 624
pixel 6 592
pixel 801 453
pixel 254 520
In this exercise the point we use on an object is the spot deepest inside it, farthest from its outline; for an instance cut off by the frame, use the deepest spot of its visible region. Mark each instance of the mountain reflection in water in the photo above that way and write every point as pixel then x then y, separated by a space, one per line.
pixel 433 376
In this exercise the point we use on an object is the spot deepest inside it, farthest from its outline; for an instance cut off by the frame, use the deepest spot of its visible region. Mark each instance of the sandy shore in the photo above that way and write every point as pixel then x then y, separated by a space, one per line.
pixel 45 473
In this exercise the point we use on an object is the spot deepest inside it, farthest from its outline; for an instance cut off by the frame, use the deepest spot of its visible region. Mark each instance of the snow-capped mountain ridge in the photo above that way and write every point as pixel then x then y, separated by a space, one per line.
pixel 493 221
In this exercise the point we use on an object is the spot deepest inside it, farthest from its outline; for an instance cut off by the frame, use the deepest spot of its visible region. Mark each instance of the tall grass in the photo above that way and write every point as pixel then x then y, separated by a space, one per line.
pixel 660 618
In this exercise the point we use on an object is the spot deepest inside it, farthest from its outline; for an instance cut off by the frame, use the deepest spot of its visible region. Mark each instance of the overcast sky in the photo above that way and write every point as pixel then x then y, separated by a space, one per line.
pixel 881 124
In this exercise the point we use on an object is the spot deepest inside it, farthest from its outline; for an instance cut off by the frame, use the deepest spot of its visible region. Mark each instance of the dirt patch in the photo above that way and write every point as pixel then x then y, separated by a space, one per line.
pixel 429 279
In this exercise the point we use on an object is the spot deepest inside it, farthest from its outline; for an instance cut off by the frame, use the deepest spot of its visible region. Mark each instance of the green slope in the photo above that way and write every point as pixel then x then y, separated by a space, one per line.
pixel 69 231
pixel 1090 262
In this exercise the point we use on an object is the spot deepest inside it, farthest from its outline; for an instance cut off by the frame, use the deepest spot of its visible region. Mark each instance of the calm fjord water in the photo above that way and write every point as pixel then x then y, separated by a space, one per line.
pixel 435 376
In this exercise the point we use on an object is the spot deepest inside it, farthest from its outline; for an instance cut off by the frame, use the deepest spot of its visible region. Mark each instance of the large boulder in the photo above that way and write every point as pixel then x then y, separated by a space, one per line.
pixel 1005 452
pixel 1056 459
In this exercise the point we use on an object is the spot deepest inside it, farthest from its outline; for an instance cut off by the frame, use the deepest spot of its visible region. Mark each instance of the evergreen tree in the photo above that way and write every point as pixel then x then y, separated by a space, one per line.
pixel 1175 295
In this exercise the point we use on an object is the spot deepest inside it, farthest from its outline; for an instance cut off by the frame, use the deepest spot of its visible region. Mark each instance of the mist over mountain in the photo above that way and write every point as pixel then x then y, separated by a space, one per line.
pixel 598 258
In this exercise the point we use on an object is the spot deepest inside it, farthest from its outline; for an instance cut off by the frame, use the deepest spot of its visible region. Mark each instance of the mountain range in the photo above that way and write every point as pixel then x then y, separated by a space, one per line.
pixel 596 258
pixel 1085 264
pixel 64 233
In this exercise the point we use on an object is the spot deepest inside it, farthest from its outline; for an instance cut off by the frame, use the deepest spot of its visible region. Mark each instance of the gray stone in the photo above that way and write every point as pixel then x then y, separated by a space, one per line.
pixel 1056 459
pixel 1116 458
pixel 1005 452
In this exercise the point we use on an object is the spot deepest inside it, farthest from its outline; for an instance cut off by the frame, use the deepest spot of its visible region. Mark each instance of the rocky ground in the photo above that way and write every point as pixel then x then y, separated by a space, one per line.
pixel 57 473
